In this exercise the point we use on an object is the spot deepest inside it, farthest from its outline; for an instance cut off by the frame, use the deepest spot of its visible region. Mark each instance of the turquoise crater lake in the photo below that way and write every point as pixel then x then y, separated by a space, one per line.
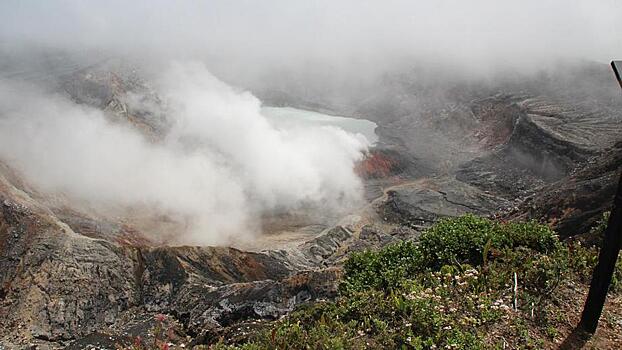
pixel 286 117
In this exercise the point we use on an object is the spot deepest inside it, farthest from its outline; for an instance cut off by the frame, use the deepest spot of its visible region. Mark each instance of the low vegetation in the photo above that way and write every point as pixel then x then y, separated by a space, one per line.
pixel 469 283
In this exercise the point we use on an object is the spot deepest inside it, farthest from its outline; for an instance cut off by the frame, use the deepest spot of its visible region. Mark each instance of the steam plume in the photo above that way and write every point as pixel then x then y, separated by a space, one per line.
pixel 220 167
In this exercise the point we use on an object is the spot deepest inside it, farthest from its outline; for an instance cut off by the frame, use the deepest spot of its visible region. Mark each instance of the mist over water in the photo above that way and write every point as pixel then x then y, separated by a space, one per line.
pixel 288 117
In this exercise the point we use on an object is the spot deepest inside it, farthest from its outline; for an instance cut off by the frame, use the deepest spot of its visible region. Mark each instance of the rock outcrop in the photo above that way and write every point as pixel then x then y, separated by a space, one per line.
pixel 574 203
pixel 532 150
pixel 58 285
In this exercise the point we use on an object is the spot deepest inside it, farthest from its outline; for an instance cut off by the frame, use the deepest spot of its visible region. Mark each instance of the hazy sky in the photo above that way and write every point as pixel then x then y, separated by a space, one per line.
pixel 472 34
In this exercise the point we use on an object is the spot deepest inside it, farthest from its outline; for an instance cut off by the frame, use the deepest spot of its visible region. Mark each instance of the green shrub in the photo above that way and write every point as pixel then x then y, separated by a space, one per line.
pixel 532 235
pixel 459 240
pixel 413 318
pixel 470 239
pixel 383 270
pixel 456 241
pixel 446 291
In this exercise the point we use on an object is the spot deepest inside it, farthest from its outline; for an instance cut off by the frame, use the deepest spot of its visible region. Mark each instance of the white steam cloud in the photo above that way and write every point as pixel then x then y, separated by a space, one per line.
pixel 221 166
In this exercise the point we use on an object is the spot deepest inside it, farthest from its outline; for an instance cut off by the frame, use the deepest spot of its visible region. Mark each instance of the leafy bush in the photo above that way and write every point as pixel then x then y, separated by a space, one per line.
pixel 381 270
pixel 532 235
pixel 456 241
pixel 465 239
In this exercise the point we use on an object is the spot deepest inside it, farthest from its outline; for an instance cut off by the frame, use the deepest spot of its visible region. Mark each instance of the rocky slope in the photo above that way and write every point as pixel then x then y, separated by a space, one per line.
pixel 59 285
pixel 511 147
pixel 521 150
pixel 572 204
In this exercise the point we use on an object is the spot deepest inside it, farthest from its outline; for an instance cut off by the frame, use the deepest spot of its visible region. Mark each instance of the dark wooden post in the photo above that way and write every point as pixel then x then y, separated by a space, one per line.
pixel 601 279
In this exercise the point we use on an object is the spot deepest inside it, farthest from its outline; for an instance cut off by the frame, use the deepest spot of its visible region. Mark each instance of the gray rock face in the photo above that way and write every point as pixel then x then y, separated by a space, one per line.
pixel 90 91
pixel 574 203
pixel 528 145
pixel 58 285
pixel 166 273
pixel 549 139
pixel 420 203
pixel 326 245
pixel 208 310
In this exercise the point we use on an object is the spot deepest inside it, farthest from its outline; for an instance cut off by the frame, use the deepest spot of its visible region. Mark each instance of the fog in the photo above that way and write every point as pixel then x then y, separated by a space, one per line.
pixel 221 165
pixel 219 168
pixel 251 36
